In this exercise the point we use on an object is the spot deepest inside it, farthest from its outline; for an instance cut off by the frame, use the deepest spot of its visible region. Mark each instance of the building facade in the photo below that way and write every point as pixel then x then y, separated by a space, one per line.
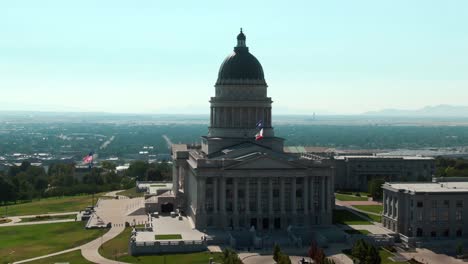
pixel 353 172
pixel 233 180
pixel 431 210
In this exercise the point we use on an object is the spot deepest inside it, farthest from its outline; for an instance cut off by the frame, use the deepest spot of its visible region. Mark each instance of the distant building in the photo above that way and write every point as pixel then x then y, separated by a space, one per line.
pixel 426 211
pixel 232 179
pixel 354 172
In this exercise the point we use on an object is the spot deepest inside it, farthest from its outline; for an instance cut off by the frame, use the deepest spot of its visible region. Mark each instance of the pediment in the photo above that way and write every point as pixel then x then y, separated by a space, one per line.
pixel 264 162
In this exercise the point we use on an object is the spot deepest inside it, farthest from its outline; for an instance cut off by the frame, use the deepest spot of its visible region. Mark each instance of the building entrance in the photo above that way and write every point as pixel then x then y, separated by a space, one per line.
pixel 167 208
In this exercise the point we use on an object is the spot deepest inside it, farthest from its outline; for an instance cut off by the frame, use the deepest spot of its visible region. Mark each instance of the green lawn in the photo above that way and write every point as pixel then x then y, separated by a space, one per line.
pixel 131 193
pixel 384 255
pixel 346 197
pixel 377 209
pixel 375 218
pixel 117 249
pixel 345 217
pixel 50 205
pixel 167 237
pixel 357 232
pixel 23 242
pixel 73 257
pixel 48 218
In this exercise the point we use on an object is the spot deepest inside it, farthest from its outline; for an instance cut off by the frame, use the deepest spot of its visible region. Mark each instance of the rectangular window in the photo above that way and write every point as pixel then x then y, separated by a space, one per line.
pixel 444 216
pixel 420 216
pixel 458 215
pixel 433 215
pixel 446 203
pixel 459 203
pixel 419 204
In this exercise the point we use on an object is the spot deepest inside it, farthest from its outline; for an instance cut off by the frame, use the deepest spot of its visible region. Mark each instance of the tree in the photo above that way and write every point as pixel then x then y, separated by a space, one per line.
pixel 138 169
pixel 372 256
pixel 359 250
pixel 108 165
pixel 7 191
pixel 276 252
pixel 375 188
pixel 312 250
pixel 365 252
pixel 459 248
pixel 230 257
pixel 153 174
pixel 283 259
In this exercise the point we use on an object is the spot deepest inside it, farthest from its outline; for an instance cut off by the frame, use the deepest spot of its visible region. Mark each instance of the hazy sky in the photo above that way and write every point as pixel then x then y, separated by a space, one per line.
pixel 163 56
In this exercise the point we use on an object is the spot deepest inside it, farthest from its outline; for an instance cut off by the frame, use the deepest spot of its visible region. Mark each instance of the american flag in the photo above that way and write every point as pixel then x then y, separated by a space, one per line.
pixel 88 158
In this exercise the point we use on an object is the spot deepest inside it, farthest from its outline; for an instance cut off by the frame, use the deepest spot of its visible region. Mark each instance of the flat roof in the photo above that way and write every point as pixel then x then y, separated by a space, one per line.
pixel 428 187
pixel 342 157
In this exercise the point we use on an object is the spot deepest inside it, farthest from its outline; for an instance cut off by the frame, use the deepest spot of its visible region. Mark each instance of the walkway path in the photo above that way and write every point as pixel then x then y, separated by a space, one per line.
pixel 111 211
pixel 16 220
pixel 89 250
pixel 427 256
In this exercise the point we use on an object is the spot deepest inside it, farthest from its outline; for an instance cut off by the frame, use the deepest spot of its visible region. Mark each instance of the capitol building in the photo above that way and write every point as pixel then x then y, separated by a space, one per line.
pixel 239 176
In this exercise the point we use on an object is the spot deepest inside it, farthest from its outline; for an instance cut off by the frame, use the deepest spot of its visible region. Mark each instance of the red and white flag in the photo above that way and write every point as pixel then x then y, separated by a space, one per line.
pixel 88 158
pixel 259 135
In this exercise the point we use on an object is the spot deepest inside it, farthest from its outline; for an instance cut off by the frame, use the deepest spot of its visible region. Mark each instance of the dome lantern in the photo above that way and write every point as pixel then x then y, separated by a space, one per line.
pixel 241 39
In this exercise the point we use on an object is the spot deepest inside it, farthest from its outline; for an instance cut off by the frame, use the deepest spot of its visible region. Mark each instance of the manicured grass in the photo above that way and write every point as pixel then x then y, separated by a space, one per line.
pixel 73 257
pixel 384 255
pixel 375 218
pixel 131 193
pixel 117 249
pixel 48 218
pixel 345 217
pixel 167 237
pixel 51 205
pixel 23 242
pixel 357 232
pixel 377 209
pixel 345 197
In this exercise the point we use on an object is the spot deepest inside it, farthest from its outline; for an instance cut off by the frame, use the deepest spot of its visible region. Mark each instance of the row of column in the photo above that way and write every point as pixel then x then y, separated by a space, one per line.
pixel 308 194
pixel 240 117
pixel 390 206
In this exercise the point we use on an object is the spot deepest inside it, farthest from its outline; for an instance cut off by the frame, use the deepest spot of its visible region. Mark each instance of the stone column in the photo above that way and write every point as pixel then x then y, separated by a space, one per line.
pixel 293 193
pixel 175 179
pixel 305 194
pixel 222 195
pixel 259 203
pixel 215 195
pixel 329 194
pixel 259 195
pixel 312 195
pixel 202 194
pixel 282 195
pixel 322 195
pixel 270 196
pixel 247 196
pixel 235 207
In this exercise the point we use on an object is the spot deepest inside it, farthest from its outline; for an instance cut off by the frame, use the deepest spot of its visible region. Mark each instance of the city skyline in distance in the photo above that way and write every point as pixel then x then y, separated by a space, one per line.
pixel 328 58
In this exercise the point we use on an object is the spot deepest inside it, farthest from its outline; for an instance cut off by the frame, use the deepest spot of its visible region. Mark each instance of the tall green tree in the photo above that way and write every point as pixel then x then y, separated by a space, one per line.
pixel 276 252
pixel 230 257
pixel 375 188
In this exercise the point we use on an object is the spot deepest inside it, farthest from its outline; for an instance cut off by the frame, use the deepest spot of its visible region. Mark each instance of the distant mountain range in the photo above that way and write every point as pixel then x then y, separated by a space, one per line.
pixel 428 111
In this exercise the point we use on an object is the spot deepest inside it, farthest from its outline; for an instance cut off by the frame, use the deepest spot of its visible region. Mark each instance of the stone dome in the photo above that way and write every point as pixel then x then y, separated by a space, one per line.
pixel 241 67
